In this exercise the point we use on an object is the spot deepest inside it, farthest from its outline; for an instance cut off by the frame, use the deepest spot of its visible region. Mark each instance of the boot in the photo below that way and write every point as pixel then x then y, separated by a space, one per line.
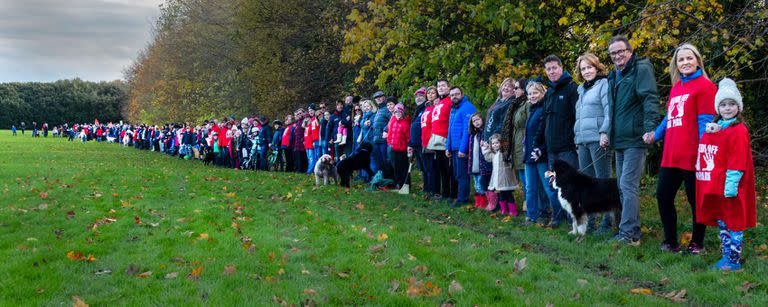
pixel 503 205
pixel 512 209
pixel 483 201
pixel 478 200
pixel 492 199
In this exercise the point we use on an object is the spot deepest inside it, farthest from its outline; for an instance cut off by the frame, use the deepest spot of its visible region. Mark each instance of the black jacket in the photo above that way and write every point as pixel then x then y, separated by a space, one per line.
pixel 559 117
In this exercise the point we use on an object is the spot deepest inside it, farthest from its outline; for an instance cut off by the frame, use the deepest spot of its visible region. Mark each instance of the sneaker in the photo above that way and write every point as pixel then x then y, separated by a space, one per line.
pixel 619 238
pixel 666 247
pixel 694 249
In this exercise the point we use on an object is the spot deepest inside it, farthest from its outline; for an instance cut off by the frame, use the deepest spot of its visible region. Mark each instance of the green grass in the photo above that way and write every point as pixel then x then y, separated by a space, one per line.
pixel 308 245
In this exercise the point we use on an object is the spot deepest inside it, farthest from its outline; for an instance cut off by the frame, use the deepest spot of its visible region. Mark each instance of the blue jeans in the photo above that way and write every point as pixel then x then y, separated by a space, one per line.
pixel 462 177
pixel 311 160
pixel 481 183
pixel 534 179
pixel 630 164
pixel 378 157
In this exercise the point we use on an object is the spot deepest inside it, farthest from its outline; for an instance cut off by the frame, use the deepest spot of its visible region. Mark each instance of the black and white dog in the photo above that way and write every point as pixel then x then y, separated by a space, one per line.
pixel 581 195
pixel 359 160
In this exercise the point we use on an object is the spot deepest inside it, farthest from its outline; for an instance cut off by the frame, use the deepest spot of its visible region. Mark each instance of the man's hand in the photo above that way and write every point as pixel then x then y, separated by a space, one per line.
pixel 447 153
pixel 462 155
pixel 648 137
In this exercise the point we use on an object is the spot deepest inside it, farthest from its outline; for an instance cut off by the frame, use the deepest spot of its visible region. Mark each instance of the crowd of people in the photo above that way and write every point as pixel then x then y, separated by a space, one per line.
pixel 608 119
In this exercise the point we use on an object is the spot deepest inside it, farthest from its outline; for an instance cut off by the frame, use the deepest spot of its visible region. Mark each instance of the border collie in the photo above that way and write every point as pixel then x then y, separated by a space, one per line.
pixel 581 195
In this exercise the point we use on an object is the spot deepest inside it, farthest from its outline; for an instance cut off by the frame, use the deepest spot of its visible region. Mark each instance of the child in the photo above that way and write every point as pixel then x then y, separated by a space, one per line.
pixel 479 169
pixel 503 179
pixel 398 132
pixel 341 133
pixel 13 128
pixel 725 178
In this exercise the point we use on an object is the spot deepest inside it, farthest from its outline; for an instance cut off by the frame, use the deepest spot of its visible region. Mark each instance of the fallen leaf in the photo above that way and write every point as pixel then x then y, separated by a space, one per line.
pixel 582 281
pixel 519 265
pixel 43 195
pixel 643 291
pixel 202 236
pixel 78 302
pixel 229 270
pixel 411 257
pixel 664 281
pixel 746 286
pixel 685 238
pixel 419 269
pixel 136 220
pixel 376 248
pixel 132 269
pixel 195 274
pixel 42 206
pixel 394 286
pixel 310 292
pixel 454 241
pixel 145 274
pixel 676 296
pixel 172 275
pixel 70 214
pixel 40 290
pixel 455 287
pixel 103 272
pixel 382 237
pixel 343 274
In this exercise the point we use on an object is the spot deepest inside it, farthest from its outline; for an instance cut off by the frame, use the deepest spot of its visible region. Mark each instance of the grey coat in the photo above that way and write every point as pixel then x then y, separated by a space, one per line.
pixel 592 113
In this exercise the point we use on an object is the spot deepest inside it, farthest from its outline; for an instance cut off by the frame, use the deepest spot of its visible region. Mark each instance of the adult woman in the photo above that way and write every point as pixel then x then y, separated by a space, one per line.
pixel 428 157
pixel 689 108
pixel 513 132
pixel 366 135
pixel 494 119
pixel 592 123
pixel 536 160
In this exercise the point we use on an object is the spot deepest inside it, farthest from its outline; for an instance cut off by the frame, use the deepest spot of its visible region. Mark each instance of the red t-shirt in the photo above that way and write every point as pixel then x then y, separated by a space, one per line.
pixel 426 125
pixel 686 102
pixel 727 149
pixel 441 113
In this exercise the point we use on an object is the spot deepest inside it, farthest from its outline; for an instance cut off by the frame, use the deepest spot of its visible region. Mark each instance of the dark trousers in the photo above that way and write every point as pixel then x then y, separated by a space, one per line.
pixel 442 175
pixel 427 169
pixel 300 161
pixel 400 165
pixel 669 183
pixel 288 152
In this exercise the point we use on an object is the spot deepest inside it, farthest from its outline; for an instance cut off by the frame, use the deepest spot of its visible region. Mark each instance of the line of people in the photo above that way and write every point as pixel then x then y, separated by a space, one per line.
pixel 607 119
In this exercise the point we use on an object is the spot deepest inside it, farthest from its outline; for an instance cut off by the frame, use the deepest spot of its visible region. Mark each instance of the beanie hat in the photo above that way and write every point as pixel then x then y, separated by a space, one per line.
pixel 378 94
pixel 727 90
pixel 400 108
pixel 421 91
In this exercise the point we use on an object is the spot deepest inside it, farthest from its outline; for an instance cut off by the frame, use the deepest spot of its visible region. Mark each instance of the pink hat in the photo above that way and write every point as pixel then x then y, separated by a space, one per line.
pixel 400 108
pixel 421 91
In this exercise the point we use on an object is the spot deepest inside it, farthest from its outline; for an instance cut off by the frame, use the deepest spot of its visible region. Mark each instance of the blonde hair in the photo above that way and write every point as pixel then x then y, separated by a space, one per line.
pixel 506 81
pixel 591 59
pixel 537 85
pixel 371 105
pixel 674 73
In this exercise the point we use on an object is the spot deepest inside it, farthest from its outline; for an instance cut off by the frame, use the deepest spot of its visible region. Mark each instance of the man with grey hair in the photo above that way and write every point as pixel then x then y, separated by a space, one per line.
pixel 635 112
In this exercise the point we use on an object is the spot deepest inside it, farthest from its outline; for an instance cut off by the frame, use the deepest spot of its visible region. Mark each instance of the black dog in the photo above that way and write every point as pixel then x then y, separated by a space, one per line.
pixel 208 156
pixel 581 195
pixel 359 160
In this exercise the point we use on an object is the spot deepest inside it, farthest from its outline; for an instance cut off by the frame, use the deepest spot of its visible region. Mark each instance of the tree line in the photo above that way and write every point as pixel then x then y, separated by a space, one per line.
pixel 214 58
pixel 63 101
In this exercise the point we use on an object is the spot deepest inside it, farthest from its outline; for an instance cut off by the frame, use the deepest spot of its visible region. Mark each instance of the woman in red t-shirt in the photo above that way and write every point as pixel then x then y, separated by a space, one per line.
pixel 689 108
pixel 725 176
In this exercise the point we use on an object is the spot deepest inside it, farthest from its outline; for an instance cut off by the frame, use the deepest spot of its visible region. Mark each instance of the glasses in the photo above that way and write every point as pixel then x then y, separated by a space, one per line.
pixel 616 53
pixel 518 88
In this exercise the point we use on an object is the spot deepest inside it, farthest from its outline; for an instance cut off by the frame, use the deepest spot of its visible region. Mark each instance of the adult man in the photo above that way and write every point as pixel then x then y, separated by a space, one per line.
pixel 634 110
pixel 555 133
pixel 347 120
pixel 456 147
pixel 380 121
pixel 442 181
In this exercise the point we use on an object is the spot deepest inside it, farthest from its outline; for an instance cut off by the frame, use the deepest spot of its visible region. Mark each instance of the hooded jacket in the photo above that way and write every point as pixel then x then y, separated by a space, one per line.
pixel 634 103
pixel 559 117
pixel 458 129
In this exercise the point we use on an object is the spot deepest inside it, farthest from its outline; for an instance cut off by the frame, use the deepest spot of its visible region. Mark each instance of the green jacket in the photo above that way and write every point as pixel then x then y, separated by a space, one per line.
pixel 634 104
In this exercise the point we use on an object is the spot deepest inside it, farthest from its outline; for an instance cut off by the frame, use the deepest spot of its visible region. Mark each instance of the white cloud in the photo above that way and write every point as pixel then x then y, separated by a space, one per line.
pixel 47 40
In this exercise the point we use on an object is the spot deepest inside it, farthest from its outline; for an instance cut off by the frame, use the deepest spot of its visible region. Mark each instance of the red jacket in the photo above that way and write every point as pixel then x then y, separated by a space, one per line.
pixel 426 125
pixel 398 132
pixel 285 141
pixel 718 152
pixel 686 102
pixel 441 113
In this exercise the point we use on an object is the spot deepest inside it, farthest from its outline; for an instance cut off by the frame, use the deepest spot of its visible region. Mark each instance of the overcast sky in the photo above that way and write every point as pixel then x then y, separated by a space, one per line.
pixel 48 40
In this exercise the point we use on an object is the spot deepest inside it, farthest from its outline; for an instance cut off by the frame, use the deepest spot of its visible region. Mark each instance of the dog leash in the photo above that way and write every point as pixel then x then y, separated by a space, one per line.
pixel 605 152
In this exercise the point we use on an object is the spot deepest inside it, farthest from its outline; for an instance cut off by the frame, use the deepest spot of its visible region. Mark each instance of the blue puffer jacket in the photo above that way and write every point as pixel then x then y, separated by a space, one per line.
pixel 380 123
pixel 531 128
pixel 415 139
pixel 458 126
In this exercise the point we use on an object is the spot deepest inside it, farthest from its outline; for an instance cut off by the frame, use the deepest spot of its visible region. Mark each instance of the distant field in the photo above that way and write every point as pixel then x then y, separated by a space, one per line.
pixel 108 225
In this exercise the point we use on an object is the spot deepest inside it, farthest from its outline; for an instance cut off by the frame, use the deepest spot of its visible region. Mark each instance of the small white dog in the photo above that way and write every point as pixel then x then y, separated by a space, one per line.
pixel 325 168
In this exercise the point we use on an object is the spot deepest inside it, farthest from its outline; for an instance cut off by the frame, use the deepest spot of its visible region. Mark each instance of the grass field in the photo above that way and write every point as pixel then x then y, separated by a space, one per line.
pixel 106 225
